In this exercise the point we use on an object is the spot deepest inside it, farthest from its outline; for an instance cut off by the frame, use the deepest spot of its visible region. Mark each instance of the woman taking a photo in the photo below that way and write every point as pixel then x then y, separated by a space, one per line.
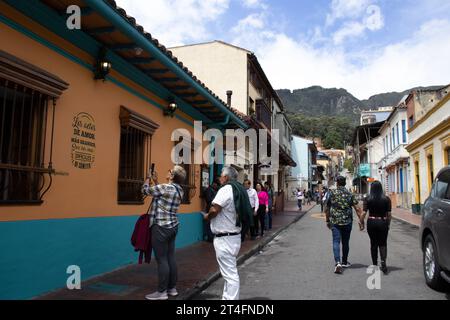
pixel 379 207
pixel 164 224
pixel 263 209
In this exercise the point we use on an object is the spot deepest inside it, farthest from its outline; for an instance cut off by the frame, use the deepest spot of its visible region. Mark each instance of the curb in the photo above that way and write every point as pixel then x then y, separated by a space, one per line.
pixel 203 284
pixel 406 222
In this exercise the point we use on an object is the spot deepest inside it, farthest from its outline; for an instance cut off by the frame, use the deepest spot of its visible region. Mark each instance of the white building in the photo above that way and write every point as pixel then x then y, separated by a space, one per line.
pixel 225 67
pixel 302 176
pixel 368 152
pixel 374 116
pixel 394 166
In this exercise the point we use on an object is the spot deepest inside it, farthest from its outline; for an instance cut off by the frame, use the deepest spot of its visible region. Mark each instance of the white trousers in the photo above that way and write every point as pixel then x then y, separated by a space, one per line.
pixel 227 250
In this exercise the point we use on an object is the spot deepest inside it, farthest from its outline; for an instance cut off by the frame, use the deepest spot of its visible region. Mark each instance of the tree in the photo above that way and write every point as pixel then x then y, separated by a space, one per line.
pixel 348 164
pixel 333 130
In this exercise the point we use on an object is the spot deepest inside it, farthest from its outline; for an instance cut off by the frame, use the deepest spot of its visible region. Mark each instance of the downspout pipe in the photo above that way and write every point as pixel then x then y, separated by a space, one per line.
pixel 123 26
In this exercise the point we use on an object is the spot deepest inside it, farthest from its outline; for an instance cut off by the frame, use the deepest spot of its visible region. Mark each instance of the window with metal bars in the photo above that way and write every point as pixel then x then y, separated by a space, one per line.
pixel 135 155
pixel 23 129
pixel 27 109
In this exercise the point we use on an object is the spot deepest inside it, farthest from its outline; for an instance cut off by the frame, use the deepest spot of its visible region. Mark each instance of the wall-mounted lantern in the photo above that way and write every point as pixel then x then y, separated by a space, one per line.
pixel 170 109
pixel 102 66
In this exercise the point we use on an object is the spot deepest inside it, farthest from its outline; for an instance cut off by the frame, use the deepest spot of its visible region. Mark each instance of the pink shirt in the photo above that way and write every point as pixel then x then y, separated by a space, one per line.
pixel 263 198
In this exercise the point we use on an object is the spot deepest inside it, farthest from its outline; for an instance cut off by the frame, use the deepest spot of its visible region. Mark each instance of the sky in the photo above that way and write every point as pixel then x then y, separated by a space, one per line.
pixel 365 46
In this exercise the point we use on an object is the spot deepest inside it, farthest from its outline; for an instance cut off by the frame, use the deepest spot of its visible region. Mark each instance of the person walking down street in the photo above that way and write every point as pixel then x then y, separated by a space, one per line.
pixel 263 209
pixel 254 203
pixel 308 197
pixel 322 197
pixel 210 194
pixel 230 212
pixel 299 199
pixel 339 219
pixel 269 216
pixel 378 205
pixel 164 228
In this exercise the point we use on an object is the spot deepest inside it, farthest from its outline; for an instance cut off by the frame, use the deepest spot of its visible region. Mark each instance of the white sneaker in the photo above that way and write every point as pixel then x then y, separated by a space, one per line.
pixel 338 268
pixel 157 296
pixel 172 292
pixel 346 265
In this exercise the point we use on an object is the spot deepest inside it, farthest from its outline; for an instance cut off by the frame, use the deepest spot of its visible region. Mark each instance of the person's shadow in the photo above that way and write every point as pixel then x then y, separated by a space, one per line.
pixel 358 266
pixel 365 266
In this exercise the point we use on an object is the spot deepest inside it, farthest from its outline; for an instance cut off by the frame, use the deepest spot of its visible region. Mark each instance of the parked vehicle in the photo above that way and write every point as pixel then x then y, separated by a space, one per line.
pixel 435 233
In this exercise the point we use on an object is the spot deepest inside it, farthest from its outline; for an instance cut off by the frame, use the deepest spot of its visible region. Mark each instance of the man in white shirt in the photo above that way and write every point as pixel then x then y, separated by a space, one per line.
pixel 300 198
pixel 254 202
pixel 227 240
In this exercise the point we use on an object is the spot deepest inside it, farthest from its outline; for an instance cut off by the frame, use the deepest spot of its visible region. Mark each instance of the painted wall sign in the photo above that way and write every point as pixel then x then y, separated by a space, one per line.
pixel 83 141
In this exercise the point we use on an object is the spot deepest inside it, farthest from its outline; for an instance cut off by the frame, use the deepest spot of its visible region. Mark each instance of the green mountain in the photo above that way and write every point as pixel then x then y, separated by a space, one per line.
pixel 331 114
pixel 316 101
pixel 391 98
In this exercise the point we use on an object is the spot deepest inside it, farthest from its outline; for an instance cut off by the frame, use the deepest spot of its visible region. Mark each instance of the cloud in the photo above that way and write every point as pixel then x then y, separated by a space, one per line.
pixel 253 21
pixel 349 30
pixel 373 21
pixel 420 60
pixel 294 62
pixel 253 4
pixel 346 9
pixel 176 22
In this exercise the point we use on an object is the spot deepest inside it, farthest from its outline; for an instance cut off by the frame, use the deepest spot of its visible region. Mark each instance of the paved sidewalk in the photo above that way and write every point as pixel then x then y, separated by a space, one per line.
pixel 197 267
pixel 407 216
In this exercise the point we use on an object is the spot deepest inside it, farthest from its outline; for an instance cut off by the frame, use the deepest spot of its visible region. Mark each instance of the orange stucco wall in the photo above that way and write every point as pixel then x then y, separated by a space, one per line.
pixel 92 192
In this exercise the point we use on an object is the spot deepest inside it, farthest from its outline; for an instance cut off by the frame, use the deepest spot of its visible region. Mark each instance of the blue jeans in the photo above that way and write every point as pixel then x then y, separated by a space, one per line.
pixel 269 220
pixel 341 234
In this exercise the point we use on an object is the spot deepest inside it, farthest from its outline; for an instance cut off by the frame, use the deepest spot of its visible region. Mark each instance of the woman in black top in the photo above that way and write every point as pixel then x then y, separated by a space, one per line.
pixel 379 207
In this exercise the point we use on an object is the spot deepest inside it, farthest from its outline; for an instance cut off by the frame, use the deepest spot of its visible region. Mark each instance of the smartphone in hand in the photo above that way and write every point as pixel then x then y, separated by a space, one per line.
pixel 204 214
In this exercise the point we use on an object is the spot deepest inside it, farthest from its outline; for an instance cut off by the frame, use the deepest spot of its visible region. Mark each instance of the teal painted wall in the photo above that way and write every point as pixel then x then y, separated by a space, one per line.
pixel 34 255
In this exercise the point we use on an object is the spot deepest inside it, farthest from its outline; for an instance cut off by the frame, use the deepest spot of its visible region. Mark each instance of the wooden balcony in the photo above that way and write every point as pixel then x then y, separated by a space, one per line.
pixel 263 113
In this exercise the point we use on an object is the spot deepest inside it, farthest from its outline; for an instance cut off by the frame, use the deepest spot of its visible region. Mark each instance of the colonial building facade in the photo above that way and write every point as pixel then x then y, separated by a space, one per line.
pixel 429 144
pixel 395 165
pixel 83 115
